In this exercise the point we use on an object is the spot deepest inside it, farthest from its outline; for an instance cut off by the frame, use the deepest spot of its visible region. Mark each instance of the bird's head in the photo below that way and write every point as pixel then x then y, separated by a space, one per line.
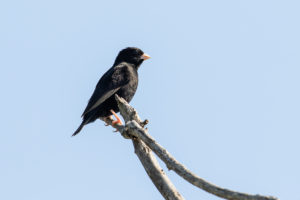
pixel 131 55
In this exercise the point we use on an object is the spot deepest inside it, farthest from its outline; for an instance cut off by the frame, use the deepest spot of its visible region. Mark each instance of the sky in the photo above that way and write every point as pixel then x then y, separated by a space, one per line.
pixel 221 93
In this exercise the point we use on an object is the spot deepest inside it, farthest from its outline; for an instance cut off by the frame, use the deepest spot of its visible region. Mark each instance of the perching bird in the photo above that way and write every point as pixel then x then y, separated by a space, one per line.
pixel 120 79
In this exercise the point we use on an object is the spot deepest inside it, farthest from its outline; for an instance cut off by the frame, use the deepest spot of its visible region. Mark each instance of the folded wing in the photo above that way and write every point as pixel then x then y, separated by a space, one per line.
pixel 108 85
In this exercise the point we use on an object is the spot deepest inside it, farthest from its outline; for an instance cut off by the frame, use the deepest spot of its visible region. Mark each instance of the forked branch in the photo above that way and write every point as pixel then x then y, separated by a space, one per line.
pixel 134 129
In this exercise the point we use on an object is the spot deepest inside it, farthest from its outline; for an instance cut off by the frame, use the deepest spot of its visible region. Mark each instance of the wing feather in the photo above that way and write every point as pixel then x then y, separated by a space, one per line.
pixel 108 85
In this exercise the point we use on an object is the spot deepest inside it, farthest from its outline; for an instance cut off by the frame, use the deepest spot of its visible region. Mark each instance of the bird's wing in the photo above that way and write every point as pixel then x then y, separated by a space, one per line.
pixel 108 85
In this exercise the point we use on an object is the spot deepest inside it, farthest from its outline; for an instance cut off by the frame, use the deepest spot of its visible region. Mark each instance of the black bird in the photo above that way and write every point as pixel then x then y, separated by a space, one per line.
pixel 120 79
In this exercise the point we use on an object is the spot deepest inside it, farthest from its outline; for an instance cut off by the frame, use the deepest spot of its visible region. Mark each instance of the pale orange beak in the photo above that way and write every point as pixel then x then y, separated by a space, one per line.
pixel 145 56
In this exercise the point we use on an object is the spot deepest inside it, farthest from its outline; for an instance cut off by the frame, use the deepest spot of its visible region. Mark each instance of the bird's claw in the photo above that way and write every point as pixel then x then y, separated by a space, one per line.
pixel 118 121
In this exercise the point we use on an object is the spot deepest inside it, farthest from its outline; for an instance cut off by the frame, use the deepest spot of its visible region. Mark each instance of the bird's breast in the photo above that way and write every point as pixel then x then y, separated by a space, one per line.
pixel 128 90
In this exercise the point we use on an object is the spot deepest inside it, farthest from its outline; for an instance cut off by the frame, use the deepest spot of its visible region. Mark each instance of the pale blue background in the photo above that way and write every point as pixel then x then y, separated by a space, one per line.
pixel 221 93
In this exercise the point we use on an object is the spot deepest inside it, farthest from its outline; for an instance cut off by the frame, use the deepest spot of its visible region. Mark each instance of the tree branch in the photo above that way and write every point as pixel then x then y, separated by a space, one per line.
pixel 151 165
pixel 155 172
pixel 182 171
pixel 134 128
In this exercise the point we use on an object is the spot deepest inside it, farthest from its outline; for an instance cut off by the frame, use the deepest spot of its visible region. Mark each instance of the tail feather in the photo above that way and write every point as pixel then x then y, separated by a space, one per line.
pixel 79 128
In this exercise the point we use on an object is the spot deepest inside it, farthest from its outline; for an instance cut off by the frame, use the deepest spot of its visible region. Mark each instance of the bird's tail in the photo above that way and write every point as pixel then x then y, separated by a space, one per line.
pixel 79 128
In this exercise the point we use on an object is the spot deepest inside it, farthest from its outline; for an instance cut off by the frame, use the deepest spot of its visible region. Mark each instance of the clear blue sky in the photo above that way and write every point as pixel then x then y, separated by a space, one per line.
pixel 221 93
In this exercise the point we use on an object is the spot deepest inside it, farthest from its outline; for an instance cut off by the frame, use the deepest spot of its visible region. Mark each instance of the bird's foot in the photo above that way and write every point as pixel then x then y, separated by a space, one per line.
pixel 107 119
pixel 118 121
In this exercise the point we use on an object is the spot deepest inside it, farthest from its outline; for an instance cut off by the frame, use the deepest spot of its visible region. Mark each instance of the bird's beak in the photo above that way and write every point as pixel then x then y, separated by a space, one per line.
pixel 145 56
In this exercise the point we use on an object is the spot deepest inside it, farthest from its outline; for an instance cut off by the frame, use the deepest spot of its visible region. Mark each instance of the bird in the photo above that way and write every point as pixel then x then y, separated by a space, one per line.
pixel 120 79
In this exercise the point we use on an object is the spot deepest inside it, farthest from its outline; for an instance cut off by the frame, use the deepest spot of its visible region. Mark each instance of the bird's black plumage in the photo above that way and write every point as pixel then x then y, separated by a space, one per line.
pixel 120 79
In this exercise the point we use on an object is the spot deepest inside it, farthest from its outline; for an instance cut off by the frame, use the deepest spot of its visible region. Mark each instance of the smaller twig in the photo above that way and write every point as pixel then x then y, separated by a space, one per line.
pixel 144 123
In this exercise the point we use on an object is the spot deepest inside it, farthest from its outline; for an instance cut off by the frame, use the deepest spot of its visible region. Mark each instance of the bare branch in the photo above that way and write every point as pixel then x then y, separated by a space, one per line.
pixel 152 167
pixel 172 164
pixel 133 128
pixel 155 172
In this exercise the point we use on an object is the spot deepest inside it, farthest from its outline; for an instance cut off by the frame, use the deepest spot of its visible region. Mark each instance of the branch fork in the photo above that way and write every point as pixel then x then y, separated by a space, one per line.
pixel 144 144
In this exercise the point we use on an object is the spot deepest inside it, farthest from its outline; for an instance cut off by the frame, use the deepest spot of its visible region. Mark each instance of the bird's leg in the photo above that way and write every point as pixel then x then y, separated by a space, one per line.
pixel 118 121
